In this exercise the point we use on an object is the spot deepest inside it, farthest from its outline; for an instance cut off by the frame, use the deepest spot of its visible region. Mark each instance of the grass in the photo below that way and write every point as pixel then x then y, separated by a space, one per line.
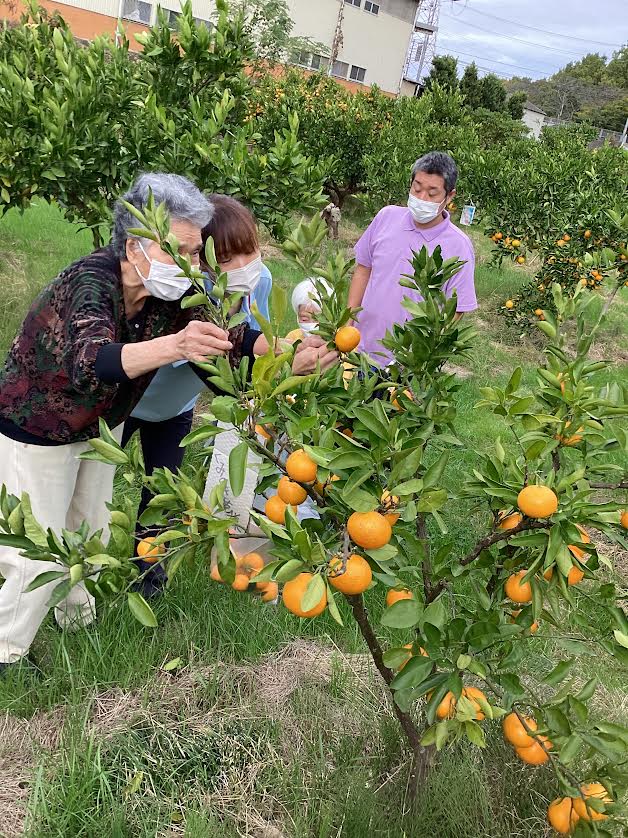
pixel 269 727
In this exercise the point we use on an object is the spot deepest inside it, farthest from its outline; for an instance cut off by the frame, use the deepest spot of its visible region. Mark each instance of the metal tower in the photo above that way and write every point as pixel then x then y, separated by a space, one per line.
pixel 423 42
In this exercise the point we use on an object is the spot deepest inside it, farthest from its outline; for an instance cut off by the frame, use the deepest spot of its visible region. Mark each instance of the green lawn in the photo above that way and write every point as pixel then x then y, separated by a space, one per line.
pixel 270 727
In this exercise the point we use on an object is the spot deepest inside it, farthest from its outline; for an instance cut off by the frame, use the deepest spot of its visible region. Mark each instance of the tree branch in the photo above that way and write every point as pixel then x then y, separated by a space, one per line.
pixel 503 535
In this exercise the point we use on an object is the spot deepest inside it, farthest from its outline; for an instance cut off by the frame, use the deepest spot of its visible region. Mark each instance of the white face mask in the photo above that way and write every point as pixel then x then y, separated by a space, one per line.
pixel 423 211
pixel 245 280
pixel 164 281
pixel 308 327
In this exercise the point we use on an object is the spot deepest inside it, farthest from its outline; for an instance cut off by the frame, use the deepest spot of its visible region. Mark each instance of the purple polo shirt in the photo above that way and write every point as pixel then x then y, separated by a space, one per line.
pixel 386 248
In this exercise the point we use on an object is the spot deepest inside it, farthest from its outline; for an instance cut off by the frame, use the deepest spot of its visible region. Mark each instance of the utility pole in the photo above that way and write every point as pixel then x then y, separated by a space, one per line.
pixel 422 47
pixel 336 44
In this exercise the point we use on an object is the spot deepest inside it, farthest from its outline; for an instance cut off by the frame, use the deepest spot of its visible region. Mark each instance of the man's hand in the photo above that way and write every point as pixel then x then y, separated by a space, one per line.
pixel 200 339
pixel 308 356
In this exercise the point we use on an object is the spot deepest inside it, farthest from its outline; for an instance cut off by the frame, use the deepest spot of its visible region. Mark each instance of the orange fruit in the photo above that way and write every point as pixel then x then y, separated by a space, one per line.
pixel 369 530
pixel 537 501
pixel 447 707
pixel 389 504
pixel 422 652
pixel 587 234
pixel 566 237
pixel 535 754
pixel 562 816
pixel 516 243
pixel 596 790
pixel 293 592
pixel 623 519
pixel 268 590
pixel 215 574
pixel 521 260
pixel 516 590
pixel 250 565
pixel 509 304
pixel 241 582
pixel 539 312
pixel 300 467
pixel 395 402
pixel 394 596
pixel 574 439
pixel 275 509
pixel 534 628
pixel 509 520
pixel 291 492
pixel 514 731
pixel 260 430
pixel 347 338
pixel 356 577
pixel 149 551
pixel 499 236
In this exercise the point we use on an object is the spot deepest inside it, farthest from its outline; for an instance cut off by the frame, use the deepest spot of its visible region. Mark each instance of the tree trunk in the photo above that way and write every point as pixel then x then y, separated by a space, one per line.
pixel 421 757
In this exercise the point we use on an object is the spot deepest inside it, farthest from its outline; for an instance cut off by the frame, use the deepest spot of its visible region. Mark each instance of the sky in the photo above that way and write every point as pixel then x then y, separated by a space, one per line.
pixel 564 30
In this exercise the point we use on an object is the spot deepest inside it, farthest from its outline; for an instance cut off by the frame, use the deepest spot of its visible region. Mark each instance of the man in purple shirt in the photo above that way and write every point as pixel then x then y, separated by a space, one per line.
pixel 384 252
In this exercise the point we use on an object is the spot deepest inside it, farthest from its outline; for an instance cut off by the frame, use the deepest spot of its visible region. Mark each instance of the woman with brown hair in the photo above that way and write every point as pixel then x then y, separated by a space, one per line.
pixel 163 417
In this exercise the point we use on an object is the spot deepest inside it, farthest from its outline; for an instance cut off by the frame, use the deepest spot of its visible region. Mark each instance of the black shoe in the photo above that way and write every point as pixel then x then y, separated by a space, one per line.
pixel 154 583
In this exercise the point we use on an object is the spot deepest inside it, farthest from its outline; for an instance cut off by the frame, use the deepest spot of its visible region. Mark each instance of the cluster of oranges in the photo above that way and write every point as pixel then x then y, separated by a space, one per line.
pixel 301 469
pixel 538 502
pixel 511 245
pixel 247 568
pixel 533 750
pixel 564 813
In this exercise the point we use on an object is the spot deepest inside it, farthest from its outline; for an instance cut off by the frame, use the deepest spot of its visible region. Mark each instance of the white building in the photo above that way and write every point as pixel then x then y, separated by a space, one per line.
pixel 533 118
pixel 374 37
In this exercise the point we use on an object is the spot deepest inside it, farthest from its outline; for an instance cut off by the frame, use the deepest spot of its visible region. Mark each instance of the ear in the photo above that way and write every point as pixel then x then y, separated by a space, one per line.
pixel 133 252
pixel 452 195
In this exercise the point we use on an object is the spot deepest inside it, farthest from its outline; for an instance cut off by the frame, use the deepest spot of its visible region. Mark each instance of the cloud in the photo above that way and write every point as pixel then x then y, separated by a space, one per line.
pixel 470 30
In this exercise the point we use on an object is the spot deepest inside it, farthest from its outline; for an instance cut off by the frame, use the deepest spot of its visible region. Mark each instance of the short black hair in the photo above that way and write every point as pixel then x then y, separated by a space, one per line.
pixel 438 163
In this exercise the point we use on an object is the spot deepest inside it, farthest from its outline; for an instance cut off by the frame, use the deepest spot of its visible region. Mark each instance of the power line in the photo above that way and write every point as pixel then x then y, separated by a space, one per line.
pixel 544 31
pixel 505 63
pixel 485 69
pixel 512 38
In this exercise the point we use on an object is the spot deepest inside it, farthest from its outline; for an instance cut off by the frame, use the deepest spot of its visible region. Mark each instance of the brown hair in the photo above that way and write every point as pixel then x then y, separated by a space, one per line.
pixel 232 228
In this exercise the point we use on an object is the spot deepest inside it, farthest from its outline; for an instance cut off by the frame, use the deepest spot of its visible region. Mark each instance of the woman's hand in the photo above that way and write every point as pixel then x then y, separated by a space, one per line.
pixel 200 339
pixel 311 352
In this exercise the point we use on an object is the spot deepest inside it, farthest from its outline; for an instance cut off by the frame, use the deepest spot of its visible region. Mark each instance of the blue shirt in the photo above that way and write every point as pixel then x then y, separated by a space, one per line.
pixel 175 388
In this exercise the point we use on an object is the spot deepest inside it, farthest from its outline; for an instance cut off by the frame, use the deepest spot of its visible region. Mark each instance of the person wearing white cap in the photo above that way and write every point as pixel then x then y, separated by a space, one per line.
pixel 306 305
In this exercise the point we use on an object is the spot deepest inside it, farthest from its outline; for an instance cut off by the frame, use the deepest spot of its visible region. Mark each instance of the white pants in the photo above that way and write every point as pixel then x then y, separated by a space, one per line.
pixel 64 491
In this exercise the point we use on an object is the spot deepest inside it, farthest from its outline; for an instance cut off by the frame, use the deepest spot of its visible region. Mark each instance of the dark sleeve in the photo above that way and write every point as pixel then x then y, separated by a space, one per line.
pixel 88 324
pixel 108 366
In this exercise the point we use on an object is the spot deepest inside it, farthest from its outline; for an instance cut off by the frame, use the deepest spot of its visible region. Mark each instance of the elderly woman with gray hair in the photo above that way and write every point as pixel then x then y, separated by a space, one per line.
pixel 88 349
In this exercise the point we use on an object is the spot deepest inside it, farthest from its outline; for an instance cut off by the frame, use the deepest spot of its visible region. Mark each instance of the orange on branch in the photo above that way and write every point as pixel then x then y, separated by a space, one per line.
pixel 241 582
pixel 149 551
pixel 347 338
pixel 291 492
pixel 623 519
pixel 369 530
pixel 562 816
pixel 275 509
pixel 599 792
pixel 250 564
pixel 301 468
pixel 516 590
pixel 509 520
pixel 535 754
pixel 537 501
pixel 394 596
pixel 293 592
pixel 515 732
pixel 268 590
pixel 356 577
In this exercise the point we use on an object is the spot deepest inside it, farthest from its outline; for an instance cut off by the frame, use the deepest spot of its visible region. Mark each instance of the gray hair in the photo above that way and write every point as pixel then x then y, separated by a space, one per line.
pixel 184 202
pixel 438 163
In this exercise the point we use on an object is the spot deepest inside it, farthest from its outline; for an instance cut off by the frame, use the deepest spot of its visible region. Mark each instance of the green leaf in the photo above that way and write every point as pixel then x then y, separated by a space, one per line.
pixel 175 663
pixel 314 592
pixel 293 382
pixel 435 472
pixel 396 657
pixel 403 614
pixel 559 673
pixel 372 422
pixel 19 542
pixel 237 467
pixel 289 570
pixel 141 610
pixel 195 300
pixel 333 607
pixel 59 593
pixel 621 638
pixel 432 501
pixel 414 672
pixel 383 554
pixel 360 501
pixel 44 578
pixel 410 487
pixel 32 529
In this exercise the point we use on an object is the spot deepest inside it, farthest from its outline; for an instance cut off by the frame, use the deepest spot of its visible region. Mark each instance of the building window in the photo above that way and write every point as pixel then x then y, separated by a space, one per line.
pixel 357 3
pixel 208 23
pixel 319 61
pixel 357 74
pixel 172 17
pixel 373 8
pixel 340 69
pixel 302 58
pixel 137 10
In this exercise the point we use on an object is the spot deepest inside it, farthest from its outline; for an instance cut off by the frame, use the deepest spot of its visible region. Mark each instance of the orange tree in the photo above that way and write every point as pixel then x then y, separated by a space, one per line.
pixel 77 123
pixel 336 125
pixel 370 453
